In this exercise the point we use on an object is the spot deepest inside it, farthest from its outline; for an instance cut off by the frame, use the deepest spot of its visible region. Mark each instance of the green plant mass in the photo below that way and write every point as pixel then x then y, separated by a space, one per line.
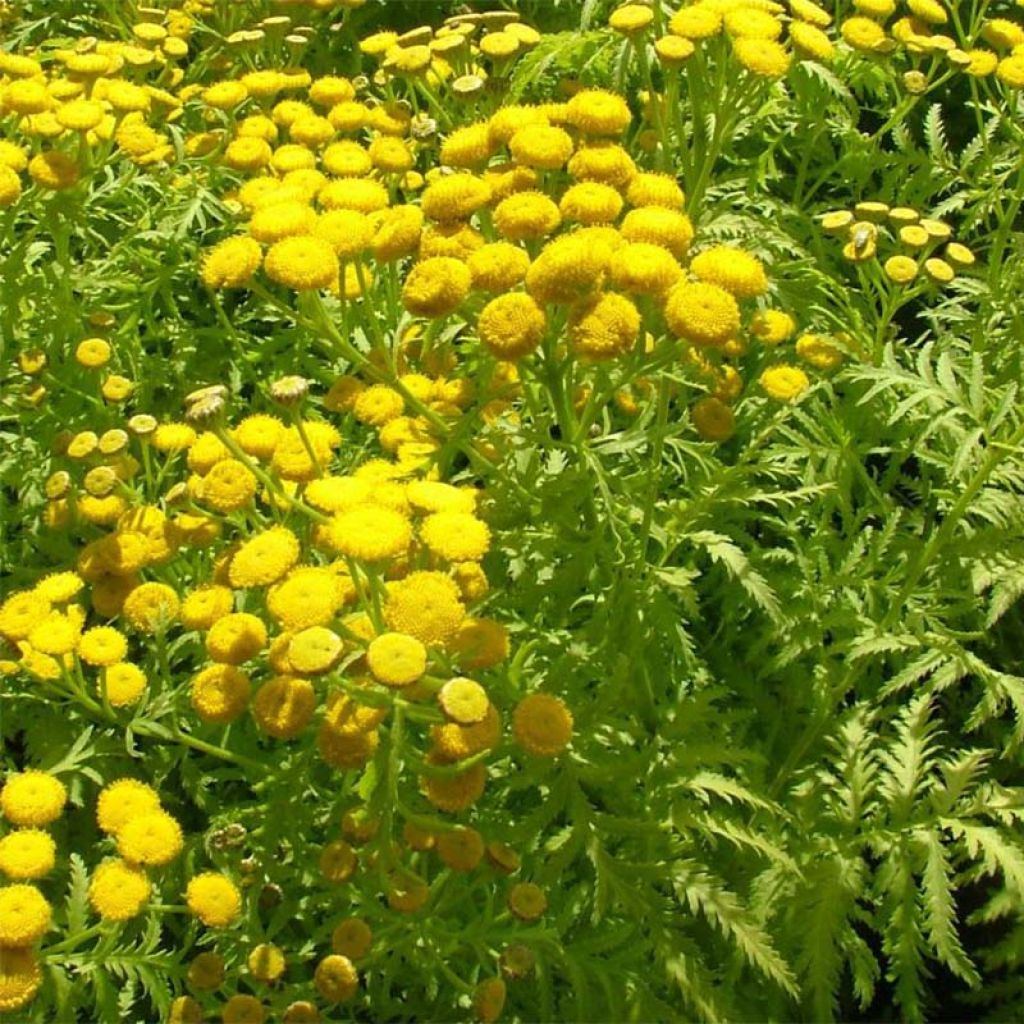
pixel 511 511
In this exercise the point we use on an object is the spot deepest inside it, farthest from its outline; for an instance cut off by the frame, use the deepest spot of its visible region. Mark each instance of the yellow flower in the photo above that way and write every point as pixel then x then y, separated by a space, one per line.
pixel 605 326
pixel 220 693
pixel 378 405
pixel 497 267
pixel 26 854
pixel 455 197
pixel 24 915
pixel 349 232
pixel 20 977
pixel 102 645
pixel 239 1009
pixel 698 21
pixel 436 287
pixel 730 268
pixel 229 486
pixel 10 186
pixel 526 215
pixel 590 202
pixel 863 33
pixel 302 262
pixel 235 638
pixel 284 706
pixel 214 899
pixel 784 383
pixel 704 314
pixel 568 269
pixel 151 839
pixel 901 269
pixel 542 724
pixel 772 326
pixel 258 435
pixel 264 558
pixel 336 979
pixel 489 994
pixel 396 659
pixel 266 962
pixel 713 419
pixel 314 650
pixel 542 146
pixel 527 901
pixel 1010 71
pixel 122 801
pixel 206 971
pixel 512 325
pixel 464 701
pixel 764 57
pixel 455 536
pixel 644 268
pixel 811 40
pixel 151 607
pixel 53 170
pixel 605 162
pixel 817 351
pixel 123 684
pixel 425 605
pixel 352 937
pixel 118 891
pixel 598 112
pixel 247 154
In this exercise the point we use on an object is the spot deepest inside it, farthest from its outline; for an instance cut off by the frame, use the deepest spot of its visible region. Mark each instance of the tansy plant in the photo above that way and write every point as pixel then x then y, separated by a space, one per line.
pixel 511 514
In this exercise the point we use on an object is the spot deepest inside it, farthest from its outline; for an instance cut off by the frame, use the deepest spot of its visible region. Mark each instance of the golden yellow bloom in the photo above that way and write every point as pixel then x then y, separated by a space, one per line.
pixel 784 383
pixel 24 915
pixel 239 1009
pixel 817 351
pixel 396 659
pixel 697 21
pixel 733 269
pixel 53 170
pixel 27 854
pixel 901 269
pixel 151 839
pixel 598 112
pixel 284 706
pixel 314 650
pixel 264 558
pixel 102 645
pixel 604 326
pixel 512 325
pixel 644 268
pixel 467 147
pixel 123 800
pixel 235 638
pixel 436 287
pixel 764 57
pixel 229 486
pixel 863 33
pixel 542 724
pixel 702 313
pixel 266 962
pixel 352 937
pixel 214 899
pixel 123 684
pixel 206 971
pixel 527 901
pixel 231 263
pixel 118 890
pixel 336 979
pixel 772 326
pixel 20 977
pixel 302 262
pixel 568 269
pixel 151 607
pixel 526 215
pixel 220 693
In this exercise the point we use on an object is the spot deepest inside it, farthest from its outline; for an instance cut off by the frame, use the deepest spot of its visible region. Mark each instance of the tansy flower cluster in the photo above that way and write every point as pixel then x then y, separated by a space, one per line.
pixel 925 246
pixel 310 601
